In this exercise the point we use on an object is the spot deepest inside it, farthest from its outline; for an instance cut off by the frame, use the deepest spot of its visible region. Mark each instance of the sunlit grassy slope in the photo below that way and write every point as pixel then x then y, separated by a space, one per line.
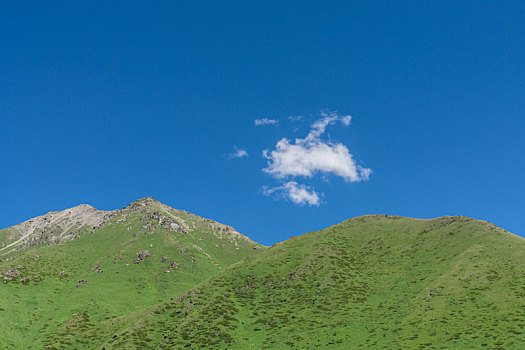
pixel 373 282
pixel 43 307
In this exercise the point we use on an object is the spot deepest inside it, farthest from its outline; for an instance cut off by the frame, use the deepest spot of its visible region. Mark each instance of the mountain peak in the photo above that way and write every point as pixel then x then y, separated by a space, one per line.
pixel 145 201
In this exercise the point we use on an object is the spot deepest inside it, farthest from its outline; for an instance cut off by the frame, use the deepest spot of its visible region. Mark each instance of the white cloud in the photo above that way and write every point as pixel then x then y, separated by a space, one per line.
pixel 311 155
pixel 299 194
pixel 346 120
pixel 238 153
pixel 266 121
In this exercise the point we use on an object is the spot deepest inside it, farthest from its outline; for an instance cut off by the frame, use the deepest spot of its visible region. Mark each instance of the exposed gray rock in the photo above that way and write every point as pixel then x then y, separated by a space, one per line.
pixel 10 274
pixel 54 227
pixel 98 269
pixel 167 223
pixel 142 255
pixel 81 283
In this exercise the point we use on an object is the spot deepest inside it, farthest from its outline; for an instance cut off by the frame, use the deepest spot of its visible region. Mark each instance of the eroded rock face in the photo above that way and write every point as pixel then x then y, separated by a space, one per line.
pixel 54 227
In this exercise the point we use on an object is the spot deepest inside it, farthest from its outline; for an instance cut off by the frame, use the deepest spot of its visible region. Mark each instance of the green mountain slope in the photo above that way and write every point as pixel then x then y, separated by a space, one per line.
pixel 132 259
pixel 373 282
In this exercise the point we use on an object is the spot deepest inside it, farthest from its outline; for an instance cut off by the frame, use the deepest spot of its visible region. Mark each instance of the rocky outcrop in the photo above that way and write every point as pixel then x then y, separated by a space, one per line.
pixel 81 283
pixel 142 256
pixel 12 273
pixel 167 223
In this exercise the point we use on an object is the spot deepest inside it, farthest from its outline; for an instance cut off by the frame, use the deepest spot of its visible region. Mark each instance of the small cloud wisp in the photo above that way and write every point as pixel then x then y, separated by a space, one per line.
pixel 299 194
pixel 266 121
pixel 238 153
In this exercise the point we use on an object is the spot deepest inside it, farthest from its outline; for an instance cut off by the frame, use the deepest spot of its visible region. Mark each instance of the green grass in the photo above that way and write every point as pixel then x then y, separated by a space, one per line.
pixel 6 237
pixel 373 282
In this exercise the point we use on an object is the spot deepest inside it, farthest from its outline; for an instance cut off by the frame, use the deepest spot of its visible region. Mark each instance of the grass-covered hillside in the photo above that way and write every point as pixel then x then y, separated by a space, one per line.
pixel 135 258
pixel 373 282
pixel 149 276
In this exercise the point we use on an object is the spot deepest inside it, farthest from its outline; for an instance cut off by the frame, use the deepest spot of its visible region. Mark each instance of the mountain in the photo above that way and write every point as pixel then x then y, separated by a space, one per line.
pixel 97 265
pixel 371 282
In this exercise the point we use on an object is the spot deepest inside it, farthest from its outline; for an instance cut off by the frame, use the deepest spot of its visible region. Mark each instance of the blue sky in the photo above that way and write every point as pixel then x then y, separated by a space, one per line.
pixel 106 103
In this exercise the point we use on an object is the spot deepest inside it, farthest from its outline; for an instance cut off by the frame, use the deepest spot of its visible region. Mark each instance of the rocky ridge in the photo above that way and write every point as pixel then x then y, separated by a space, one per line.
pixel 60 226
pixel 53 228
